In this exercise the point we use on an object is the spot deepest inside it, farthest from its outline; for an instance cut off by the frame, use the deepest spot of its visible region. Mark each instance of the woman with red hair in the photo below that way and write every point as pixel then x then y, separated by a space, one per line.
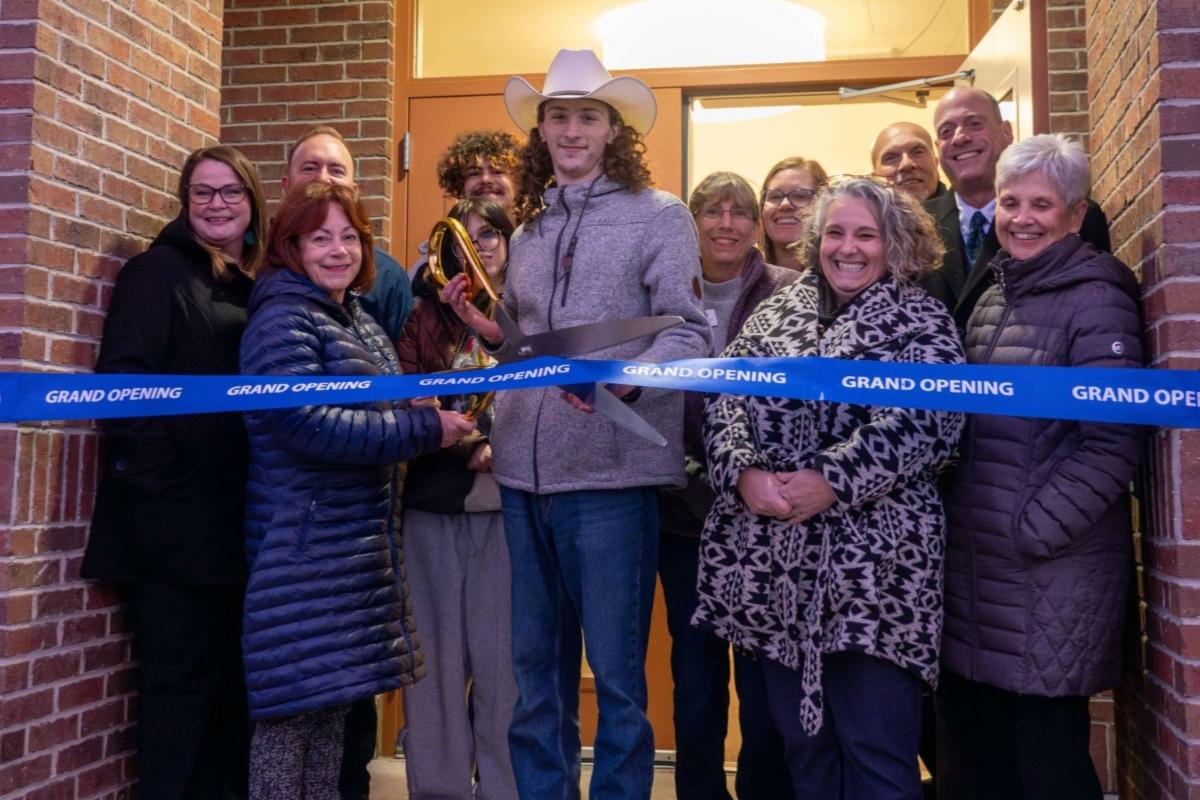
pixel 327 619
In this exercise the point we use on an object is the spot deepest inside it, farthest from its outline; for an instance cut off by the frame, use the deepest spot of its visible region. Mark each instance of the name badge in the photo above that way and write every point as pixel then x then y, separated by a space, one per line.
pixel 712 317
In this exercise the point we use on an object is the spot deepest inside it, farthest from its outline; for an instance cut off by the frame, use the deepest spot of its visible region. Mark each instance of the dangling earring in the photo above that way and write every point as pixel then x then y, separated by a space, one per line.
pixel 250 238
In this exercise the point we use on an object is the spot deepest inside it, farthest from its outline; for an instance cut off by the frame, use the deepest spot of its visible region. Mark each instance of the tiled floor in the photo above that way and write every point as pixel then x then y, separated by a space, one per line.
pixel 387 781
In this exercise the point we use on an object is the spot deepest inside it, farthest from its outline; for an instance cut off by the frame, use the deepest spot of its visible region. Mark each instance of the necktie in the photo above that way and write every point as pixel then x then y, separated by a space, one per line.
pixel 975 237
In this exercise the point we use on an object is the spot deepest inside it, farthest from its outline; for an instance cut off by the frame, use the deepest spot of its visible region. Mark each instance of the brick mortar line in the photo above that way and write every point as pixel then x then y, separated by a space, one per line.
pixel 107 84
pixel 82 190
pixel 1164 718
pixel 1161 321
pixel 1182 621
pixel 1097 145
pixel 107 26
pixel 106 115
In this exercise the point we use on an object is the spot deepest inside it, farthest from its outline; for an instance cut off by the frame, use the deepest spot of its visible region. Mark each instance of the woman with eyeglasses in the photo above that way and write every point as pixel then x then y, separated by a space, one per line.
pixel 822 553
pixel 167 526
pixel 788 190
pixel 455 737
pixel 736 280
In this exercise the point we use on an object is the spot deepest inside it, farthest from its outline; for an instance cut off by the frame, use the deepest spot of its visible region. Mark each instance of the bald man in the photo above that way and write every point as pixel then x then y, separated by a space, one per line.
pixel 903 153
pixel 970 134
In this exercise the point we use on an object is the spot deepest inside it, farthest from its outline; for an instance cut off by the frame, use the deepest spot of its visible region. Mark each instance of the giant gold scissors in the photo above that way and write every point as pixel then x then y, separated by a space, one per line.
pixel 569 342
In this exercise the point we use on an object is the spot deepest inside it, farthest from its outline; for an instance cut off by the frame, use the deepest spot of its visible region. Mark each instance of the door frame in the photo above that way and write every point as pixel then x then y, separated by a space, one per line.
pixel 763 78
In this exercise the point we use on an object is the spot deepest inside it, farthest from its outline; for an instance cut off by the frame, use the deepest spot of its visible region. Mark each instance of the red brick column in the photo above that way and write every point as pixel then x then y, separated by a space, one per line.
pixel 1146 144
pixel 291 65
pixel 1067 63
pixel 99 105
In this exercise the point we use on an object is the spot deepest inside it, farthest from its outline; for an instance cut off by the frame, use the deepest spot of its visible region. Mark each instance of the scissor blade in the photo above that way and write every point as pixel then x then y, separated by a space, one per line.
pixel 582 339
pixel 624 416
pixel 512 333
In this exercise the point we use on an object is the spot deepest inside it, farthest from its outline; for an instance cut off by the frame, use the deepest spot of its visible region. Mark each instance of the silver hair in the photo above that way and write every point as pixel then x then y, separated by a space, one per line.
pixel 1061 160
pixel 910 238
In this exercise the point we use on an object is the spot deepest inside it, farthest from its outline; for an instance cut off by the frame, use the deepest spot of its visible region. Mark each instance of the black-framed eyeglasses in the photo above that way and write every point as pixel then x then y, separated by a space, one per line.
pixel 202 194
pixel 797 197
pixel 485 241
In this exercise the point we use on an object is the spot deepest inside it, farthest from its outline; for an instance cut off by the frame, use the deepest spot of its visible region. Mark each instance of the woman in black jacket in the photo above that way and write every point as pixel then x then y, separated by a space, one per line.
pixel 168 520
pixel 326 619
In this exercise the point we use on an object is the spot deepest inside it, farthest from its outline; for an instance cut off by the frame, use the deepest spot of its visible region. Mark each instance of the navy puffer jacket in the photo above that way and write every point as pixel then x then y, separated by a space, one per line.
pixel 327 619
pixel 1038 551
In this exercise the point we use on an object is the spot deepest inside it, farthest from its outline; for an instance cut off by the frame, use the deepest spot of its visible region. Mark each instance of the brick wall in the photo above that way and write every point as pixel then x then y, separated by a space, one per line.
pixel 100 103
pixel 1146 146
pixel 1067 63
pixel 289 66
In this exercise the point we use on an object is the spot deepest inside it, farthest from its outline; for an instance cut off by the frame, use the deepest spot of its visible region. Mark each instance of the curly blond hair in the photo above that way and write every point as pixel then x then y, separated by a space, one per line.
pixel 910 237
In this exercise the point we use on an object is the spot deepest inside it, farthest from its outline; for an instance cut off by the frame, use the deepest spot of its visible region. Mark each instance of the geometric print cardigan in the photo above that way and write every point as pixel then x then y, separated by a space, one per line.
pixel 866 574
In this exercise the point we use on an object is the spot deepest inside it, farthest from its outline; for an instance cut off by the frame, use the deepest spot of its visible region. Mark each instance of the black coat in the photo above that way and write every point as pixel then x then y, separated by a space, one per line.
pixel 171 496
pixel 958 289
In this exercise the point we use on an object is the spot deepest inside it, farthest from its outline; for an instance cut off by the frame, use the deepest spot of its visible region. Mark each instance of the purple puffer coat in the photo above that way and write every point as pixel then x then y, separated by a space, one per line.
pixel 1038 551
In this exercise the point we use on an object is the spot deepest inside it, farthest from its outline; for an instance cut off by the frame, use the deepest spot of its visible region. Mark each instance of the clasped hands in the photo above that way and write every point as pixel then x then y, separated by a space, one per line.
pixel 791 496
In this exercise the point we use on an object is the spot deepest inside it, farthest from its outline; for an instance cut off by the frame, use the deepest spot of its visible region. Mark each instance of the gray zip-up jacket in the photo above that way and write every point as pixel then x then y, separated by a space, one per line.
pixel 599 251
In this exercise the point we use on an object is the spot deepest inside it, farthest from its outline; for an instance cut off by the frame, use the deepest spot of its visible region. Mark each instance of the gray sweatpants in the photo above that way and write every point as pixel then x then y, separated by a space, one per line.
pixel 456 718
pixel 298 758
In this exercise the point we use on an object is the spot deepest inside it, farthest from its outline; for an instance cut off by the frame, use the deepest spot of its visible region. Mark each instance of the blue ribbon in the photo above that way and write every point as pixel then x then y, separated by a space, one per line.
pixel 1168 398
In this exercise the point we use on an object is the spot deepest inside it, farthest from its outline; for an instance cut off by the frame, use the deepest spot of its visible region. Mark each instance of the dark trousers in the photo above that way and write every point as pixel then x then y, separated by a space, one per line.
pixel 700 669
pixel 358 748
pixel 993 743
pixel 193 726
pixel 866 748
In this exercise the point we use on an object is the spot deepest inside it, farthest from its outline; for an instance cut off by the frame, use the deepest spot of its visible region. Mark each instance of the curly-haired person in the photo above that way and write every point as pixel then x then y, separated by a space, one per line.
pixel 481 165
pixel 579 497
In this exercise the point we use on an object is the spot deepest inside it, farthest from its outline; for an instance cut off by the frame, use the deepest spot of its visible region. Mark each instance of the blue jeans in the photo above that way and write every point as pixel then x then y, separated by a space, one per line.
pixel 700 668
pixel 581 560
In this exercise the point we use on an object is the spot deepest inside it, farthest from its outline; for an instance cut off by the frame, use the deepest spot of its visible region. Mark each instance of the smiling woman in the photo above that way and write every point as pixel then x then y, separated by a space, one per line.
pixel 168 518
pixel 325 581
pixel 818 555
pixel 1039 535
pixel 788 189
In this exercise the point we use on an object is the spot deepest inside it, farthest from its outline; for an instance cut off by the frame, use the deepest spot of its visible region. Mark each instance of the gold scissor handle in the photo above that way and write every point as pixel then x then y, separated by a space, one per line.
pixel 478 281
pixel 477 278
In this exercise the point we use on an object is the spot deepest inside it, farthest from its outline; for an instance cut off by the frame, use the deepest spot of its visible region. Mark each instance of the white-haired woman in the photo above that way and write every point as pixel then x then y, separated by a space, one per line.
pixel 823 549
pixel 1038 551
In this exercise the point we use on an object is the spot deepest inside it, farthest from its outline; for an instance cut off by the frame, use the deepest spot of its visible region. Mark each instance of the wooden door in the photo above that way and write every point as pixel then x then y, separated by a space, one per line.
pixel 434 122
pixel 1010 64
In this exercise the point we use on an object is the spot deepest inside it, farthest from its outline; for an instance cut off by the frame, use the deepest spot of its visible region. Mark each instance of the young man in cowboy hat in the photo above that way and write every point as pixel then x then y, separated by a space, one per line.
pixel 579 494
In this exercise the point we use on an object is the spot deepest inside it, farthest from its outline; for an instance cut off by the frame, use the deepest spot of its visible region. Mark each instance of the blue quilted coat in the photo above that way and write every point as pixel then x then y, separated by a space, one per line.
pixel 327 618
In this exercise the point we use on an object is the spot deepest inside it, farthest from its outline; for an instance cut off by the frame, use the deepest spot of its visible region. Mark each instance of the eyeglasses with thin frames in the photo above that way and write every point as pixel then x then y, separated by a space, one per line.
pixel 797 197
pixel 737 213
pixel 486 241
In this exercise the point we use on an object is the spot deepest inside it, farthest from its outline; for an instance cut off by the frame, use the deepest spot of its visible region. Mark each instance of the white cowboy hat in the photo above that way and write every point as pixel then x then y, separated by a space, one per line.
pixel 578 74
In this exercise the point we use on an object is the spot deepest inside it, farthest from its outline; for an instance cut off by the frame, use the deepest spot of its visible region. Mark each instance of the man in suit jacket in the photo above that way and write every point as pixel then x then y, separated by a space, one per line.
pixel 971 134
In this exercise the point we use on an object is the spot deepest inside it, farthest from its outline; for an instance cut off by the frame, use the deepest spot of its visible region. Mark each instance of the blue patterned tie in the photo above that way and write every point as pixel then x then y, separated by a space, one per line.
pixel 975 237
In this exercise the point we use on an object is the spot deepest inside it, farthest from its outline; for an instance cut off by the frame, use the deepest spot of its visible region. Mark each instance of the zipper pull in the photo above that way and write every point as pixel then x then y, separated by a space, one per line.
pixel 568 259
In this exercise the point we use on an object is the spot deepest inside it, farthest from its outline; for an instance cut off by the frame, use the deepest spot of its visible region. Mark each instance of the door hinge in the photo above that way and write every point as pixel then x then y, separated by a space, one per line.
pixel 406 151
